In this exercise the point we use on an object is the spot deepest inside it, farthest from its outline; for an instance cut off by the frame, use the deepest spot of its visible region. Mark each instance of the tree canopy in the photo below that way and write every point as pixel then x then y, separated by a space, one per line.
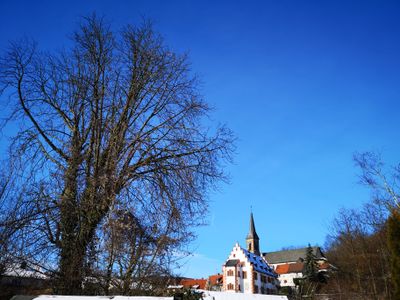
pixel 112 160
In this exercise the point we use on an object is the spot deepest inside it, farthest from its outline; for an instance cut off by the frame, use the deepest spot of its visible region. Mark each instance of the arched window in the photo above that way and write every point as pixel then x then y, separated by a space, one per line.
pixel 249 246
pixel 230 273
pixel 230 286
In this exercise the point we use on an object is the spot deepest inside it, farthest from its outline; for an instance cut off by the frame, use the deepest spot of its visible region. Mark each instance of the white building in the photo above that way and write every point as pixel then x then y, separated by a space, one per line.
pixel 289 264
pixel 245 271
pixel 288 272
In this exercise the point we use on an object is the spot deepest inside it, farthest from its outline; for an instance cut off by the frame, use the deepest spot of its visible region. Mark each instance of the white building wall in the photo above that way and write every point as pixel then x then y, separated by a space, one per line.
pixel 229 279
pixel 245 284
pixel 245 266
pixel 289 278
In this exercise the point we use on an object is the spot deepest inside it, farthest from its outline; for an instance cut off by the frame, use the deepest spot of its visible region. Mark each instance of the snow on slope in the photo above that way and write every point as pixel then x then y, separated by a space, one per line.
pixel 50 297
pixel 208 295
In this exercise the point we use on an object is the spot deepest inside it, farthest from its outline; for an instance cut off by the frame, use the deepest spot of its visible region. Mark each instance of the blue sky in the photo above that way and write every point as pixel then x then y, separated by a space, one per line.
pixel 303 84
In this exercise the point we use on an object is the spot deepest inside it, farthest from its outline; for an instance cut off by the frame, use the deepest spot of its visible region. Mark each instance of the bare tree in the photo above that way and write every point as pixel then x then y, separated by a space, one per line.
pixel 5 232
pixel 137 252
pixel 360 253
pixel 384 181
pixel 114 122
pixel 359 241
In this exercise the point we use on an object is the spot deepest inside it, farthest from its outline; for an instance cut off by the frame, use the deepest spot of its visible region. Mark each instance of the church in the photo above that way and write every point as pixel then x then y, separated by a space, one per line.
pixel 246 271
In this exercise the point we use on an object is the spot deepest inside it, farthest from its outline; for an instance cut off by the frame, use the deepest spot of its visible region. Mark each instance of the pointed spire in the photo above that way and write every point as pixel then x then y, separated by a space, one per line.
pixel 252 233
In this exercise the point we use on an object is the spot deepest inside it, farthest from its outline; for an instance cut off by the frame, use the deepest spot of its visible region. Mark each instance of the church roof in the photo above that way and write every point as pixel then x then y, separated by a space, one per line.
pixel 293 255
pixel 252 232
pixel 259 263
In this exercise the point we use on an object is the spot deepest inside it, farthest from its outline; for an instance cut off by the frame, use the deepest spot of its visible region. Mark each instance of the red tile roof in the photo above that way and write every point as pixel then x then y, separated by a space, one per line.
pixel 215 279
pixel 194 283
pixel 282 269
pixel 296 268
pixel 289 268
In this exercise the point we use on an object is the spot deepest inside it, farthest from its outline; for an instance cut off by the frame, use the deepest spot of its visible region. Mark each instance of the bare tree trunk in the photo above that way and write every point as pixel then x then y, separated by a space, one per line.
pixel 71 266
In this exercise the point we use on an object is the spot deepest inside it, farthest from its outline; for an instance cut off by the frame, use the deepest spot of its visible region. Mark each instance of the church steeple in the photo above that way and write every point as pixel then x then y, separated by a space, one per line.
pixel 252 240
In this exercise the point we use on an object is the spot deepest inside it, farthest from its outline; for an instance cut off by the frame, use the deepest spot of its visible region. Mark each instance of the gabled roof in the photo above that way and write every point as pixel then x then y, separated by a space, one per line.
pixel 290 268
pixel 291 255
pixel 282 269
pixel 215 279
pixel 252 231
pixel 231 263
pixel 194 283
pixel 259 263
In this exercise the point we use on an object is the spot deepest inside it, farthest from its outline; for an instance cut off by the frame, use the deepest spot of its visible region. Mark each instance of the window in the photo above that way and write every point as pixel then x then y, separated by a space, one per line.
pixel 230 286
pixel 263 279
pixel 255 276
pixel 244 274
pixel 230 273
pixel 239 274
pixel 256 289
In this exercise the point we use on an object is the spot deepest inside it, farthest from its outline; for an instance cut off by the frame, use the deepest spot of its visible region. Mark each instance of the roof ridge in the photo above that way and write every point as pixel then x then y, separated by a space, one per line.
pixel 287 250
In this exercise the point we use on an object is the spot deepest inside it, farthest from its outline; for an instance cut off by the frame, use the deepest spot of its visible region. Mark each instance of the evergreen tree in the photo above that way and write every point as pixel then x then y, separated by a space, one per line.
pixel 394 248
pixel 310 265
pixel 307 285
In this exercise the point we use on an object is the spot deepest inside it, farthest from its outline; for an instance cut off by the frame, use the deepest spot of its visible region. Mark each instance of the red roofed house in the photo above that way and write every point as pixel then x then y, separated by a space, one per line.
pixel 289 264
pixel 215 282
pixel 287 272
pixel 190 283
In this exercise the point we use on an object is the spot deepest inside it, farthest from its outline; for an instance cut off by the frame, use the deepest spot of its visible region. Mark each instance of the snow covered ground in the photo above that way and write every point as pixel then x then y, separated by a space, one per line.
pixel 49 297
pixel 208 295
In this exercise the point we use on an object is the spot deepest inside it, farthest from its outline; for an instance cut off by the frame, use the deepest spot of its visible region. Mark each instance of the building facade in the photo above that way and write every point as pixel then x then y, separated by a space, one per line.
pixel 289 264
pixel 215 282
pixel 287 273
pixel 246 271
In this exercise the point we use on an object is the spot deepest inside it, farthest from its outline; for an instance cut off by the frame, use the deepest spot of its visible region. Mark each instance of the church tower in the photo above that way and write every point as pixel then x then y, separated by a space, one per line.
pixel 252 240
